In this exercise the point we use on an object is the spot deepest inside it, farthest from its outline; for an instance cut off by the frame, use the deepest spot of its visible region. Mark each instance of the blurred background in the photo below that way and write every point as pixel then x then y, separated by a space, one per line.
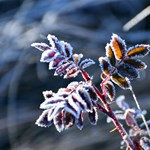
pixel 87 25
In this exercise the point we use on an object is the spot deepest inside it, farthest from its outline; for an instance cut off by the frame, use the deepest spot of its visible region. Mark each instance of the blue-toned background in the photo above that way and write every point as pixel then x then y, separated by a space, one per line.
pixel 88 26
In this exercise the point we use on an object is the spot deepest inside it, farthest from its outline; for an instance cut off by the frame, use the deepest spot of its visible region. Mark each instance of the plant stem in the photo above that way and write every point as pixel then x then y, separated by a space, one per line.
pixel 108 111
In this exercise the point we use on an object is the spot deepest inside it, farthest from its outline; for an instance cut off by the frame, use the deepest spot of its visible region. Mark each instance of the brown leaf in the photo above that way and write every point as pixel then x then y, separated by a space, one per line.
pixel 118 46
pixel 138 51
pixel 122 82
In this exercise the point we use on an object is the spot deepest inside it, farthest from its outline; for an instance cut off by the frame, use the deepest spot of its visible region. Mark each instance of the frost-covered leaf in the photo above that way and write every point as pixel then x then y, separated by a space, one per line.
pixel 72 108
pixel 62 47
pixel 79 121
pixel 51 102
pixel 110 54
pixel 55 111
pixel 73 72
pixel 136 63
pixel 59 122
pixel 110 90
pixel 79 101
pixel 126 70
pixel 118 45
pixel 73 85
pixel 47 94
pixel 104 64
pixel 69 120
pixel 52 40
pixel 86 63
pixel 68 49
pixel 85 97
pixel 93 116
pixel 42 121
pixel 91 92
pixel 122 82
pixel 41 46
pixel 48 56
pixel 138 51
pixel 56 62
pixel 61 70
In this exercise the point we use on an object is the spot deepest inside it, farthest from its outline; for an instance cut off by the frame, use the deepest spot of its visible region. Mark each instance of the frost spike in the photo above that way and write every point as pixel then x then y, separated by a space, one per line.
pixel 118 46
